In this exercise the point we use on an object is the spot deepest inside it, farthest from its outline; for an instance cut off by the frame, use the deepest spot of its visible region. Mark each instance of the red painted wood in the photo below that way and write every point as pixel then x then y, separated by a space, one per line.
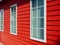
pixel 23 22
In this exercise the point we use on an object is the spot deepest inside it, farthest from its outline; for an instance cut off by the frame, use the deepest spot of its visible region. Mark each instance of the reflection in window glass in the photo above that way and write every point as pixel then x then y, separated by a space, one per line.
pixel 37 20
pixel 41 12
pixel 34 2
pixel 13 19
pixel 1 20
pixel 40 2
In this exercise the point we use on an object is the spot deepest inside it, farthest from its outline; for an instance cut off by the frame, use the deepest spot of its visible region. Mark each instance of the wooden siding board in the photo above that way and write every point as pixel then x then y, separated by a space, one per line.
pixel 53 7
pixel 53 19
pixel 53 3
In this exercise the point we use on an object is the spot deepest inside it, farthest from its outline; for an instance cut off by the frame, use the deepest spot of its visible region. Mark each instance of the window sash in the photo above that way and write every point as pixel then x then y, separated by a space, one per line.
pixel 1 20
pixel 13 19
pixel 37 19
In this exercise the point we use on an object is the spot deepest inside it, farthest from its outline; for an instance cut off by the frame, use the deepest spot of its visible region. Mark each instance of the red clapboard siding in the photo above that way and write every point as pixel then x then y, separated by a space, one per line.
pixel 53 25
pixel 52 3
pixel 53 8
pixel 23 24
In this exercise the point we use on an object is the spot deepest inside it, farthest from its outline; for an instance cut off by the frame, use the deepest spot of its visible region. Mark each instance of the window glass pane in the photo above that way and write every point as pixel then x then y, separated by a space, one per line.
pixel 34 22
pixel 14 16
pixel 0 16
pixel 41 12
pixel 11 10
pixel 31 32
pixel 34 12
pixel 2 25
pixel 40 22
pixel 1 19
pixel 14 9
pixel 34 33
pixel 11 28
pixel 14 24
pixel 14 13
pixel 41 34
pixel 34 3
pixel 0 12
pixel 13 19
pixel 14 31
pixel 40 2
pixel 1 22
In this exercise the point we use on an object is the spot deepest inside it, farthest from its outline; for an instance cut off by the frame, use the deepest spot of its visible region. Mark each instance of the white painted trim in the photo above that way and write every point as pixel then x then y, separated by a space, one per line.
pixel 3 19
pixel 45 38
pixel 44 24
pixel 16 19
pixel 13 5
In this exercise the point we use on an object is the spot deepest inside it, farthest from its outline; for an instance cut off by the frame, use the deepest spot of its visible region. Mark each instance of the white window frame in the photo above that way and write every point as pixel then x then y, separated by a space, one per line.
pixel 3 19
pixel 40 40
pixel 16 19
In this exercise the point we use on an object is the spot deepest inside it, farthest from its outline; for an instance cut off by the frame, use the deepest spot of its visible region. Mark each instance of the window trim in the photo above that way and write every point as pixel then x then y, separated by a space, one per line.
pixel 16 19
pixel 44 41
pixel 3 19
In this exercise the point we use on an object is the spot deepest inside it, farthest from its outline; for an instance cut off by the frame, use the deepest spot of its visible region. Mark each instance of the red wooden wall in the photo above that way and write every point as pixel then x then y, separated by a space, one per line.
pixel 53 22
pixel 23 22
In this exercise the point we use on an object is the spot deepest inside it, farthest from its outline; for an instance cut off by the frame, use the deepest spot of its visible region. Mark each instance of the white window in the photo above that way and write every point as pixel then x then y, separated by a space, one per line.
pixel 1 20
pixel 38 20
pixel 13 19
